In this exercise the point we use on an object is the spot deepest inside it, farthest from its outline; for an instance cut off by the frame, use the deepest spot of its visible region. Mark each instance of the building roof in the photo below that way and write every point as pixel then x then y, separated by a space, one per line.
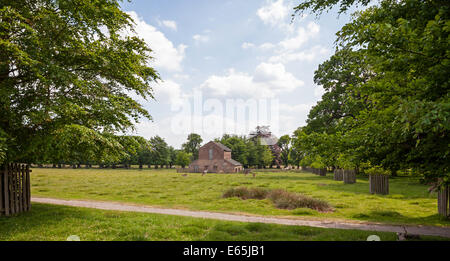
pixel 225 148
pixel 235 163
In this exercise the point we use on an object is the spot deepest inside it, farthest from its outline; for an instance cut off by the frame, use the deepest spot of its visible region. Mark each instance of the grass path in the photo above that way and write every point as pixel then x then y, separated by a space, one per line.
pixel 416 230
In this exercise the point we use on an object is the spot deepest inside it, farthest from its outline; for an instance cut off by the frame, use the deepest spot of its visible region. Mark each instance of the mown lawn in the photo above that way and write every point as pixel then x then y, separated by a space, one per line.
pixel 49 223
pixel 408 203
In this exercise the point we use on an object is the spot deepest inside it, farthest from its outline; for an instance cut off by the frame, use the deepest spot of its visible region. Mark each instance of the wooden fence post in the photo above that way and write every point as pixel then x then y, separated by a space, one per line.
pixel 6 190
pixel 349 176
pixel 28 188
pixel 15 196
pixel 379 184
pixel 338 175
pixel 443 202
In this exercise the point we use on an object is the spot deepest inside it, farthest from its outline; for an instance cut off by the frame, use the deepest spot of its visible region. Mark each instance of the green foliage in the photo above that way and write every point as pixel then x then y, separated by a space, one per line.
pixel 318 6
pixel 3 146
pixel 160 151
pixel 376 170
pixel 75 144
pixel 69 67
pixel 192 145
pixel 284 142
pixel 264 155
pixel 386 98
pixel 239 147
pixel 183 158
pixel 249 152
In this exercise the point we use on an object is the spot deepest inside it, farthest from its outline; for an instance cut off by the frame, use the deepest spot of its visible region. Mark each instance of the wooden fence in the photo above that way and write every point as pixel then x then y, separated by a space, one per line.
pixel 379 184
pixel 15 196
pixel 338 174
pixel 349 176
pixel 444 201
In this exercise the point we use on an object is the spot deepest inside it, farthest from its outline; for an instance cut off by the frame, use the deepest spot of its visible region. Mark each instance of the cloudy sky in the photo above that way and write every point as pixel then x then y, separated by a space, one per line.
pixel 211 54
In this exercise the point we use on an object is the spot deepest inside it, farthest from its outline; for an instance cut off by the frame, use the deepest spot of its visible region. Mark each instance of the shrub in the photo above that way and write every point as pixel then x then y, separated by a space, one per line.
pixel 245 193
pixel 282 199
pixel 288 200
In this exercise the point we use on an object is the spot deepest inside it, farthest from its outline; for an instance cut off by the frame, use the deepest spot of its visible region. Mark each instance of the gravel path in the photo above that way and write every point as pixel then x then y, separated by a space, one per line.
pixel 415 230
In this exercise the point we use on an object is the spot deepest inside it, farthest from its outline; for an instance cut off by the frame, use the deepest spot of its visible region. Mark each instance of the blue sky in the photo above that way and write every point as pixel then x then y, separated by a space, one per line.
pixel 231 51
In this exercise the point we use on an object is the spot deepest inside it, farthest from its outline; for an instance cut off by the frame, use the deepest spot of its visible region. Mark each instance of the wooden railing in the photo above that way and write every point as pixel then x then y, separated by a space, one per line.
pixel 444 201
pixel 15 194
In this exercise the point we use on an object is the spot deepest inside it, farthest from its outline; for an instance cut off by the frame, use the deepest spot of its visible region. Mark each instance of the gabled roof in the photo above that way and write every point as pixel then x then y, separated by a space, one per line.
pixel 233 162
pixel 220 145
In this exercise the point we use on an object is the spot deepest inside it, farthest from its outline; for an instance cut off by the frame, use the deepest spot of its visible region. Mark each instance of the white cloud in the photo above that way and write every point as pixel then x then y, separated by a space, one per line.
pixel 181 76
pixel 170 24
pixel 307 55
pixel 297 109
pixel 200 38
pixel 273 13
pixel 166 55
pixel 267 46
pixel 169 92
pixel 247 45
pixel 263 47
pixel 301 37
pixel 267 80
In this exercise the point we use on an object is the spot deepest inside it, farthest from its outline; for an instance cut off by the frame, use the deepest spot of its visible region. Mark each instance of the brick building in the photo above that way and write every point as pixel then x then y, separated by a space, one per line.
pixel 215 157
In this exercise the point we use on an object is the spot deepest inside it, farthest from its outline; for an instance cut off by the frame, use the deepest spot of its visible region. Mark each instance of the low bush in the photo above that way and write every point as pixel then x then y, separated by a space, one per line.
pixel 288 200
pixel 281 198
pixel 246 193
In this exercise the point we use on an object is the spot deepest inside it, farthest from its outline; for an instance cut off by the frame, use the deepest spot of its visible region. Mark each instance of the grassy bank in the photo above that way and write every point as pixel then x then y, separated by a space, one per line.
pixel 408 203
pixel 48 222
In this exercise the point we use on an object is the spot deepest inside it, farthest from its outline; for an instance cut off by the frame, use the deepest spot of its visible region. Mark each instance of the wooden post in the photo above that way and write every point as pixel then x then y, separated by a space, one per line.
pixel 6 190
pixel 20 187
pixel 349 176
pixel 16 184
pixel 443 202
pixel 379 184
pixel 338 174
pixel 2 208
pixel 28 188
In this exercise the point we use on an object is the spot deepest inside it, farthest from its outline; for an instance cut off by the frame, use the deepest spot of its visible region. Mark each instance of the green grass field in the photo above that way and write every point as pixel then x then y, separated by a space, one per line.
pixel 408 203
pixel 49 222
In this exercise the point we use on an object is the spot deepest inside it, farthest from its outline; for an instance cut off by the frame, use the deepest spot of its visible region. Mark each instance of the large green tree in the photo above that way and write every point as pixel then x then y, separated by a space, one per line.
pixel 160 154
pixel 400 112
pixel 193 144
pixel 182 158
pixel 284 142
pixel 68 66
pixel 238 146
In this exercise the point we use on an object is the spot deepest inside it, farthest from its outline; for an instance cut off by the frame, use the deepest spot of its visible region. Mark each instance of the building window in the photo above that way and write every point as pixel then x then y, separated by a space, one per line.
pixel 210 154
pixel 215 168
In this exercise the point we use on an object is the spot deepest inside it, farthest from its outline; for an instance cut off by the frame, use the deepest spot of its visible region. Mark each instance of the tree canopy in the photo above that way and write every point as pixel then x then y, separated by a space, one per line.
pixel 386 98
pixel 68 66
pixel 193 143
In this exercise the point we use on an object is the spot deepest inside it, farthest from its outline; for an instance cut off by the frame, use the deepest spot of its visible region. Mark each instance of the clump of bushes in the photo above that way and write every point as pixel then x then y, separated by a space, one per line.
pixel 281 198
pixel 246 193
